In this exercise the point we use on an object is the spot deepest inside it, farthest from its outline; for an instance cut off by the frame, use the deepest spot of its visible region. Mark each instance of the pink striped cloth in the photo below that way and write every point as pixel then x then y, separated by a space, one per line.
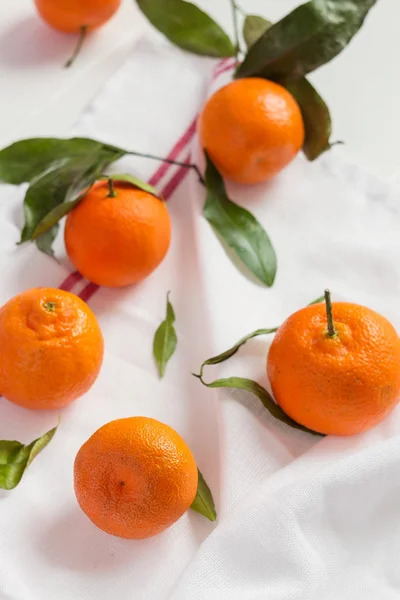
pixel 298 517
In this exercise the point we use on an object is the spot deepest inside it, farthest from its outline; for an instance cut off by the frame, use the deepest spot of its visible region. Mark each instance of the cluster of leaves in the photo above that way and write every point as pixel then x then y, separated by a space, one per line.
pixel 285 52
pixel 60 172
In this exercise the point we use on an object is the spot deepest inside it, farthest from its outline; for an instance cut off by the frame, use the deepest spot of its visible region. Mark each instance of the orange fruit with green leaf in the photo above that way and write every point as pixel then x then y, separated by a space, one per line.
pixel 51 348
pixel 135 477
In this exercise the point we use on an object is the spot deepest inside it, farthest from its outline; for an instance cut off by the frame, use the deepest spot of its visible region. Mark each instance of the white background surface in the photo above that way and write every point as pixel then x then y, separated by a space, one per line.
pixel 38 97
pixel 296 520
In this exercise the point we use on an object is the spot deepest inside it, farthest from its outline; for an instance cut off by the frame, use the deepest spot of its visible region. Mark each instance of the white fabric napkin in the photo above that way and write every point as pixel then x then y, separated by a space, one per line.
pixel 298 517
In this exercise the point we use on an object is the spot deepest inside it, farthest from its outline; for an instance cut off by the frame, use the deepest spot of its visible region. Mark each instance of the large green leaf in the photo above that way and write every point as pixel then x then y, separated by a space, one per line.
pixel 204 502
pixel 15 458
pixel 316 117
pixel 188 27
pixel 24 160
pixel 165 340
pixel 238 228
pixel 310 36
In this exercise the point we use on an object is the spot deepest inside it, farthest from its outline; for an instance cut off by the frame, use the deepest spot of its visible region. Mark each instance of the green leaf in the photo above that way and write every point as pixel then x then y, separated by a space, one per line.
pixel 317 301
pixel 15 458
pixel 310 36
pixel 204 503
pixel 58 170
pixel 240 383
pixel 238 228
pixel 165 340
pixel 215 360
pixel 253 29
pixel 49 223
pixel 316 117
pixel 188 27
pixel 138 183
pixel 44 241
pixel 27 159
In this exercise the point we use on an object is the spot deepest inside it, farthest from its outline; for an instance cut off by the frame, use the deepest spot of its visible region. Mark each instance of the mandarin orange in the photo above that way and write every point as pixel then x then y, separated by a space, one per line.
pixel 135 477
pixel 51 348
pixel 117 241
pixel 339 382
pixel 251 129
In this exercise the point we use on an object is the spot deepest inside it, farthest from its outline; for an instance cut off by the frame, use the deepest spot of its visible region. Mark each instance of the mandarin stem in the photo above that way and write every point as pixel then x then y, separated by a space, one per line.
pixel 111 191
pixel 50 306
pixel 178 163
pixel 235 27
pixel 78 48
pixel 328 305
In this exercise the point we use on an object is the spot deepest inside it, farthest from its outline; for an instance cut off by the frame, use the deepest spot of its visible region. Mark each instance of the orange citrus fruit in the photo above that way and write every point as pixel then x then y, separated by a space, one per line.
pixel 251 129
pixel 117 241
pixel 135 477
pixel 340 384
pixel 71 15
pixel 51 348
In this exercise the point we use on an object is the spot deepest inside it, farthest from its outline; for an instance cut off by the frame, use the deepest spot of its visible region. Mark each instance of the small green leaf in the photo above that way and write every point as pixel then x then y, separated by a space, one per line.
pixel 238 228
pixel 165 340
pixel 308 37
pixel 253 29
pixel 240 383
pixel 50 222
pixel 215 360
pixel 204 503
pixel 138 183
pixel 15 458
pixel 316 117
pixel 188 27
pixel 44 241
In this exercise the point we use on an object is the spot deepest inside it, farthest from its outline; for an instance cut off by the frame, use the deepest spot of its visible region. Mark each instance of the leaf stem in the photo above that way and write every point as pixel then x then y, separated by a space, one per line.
pixel 82 37
pixel 235 10
pixel 328 304
pixel 169 161
pixel 111 191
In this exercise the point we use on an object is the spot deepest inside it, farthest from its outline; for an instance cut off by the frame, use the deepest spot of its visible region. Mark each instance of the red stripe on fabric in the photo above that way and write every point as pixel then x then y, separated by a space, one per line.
pixel 176 150
pixel 88 291
pixel 224 70
pixel 70 281
pixel 171 186
pixel 224 66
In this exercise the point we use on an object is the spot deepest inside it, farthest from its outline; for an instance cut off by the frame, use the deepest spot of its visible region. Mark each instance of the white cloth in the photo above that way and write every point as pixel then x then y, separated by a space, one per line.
pixel 298 517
